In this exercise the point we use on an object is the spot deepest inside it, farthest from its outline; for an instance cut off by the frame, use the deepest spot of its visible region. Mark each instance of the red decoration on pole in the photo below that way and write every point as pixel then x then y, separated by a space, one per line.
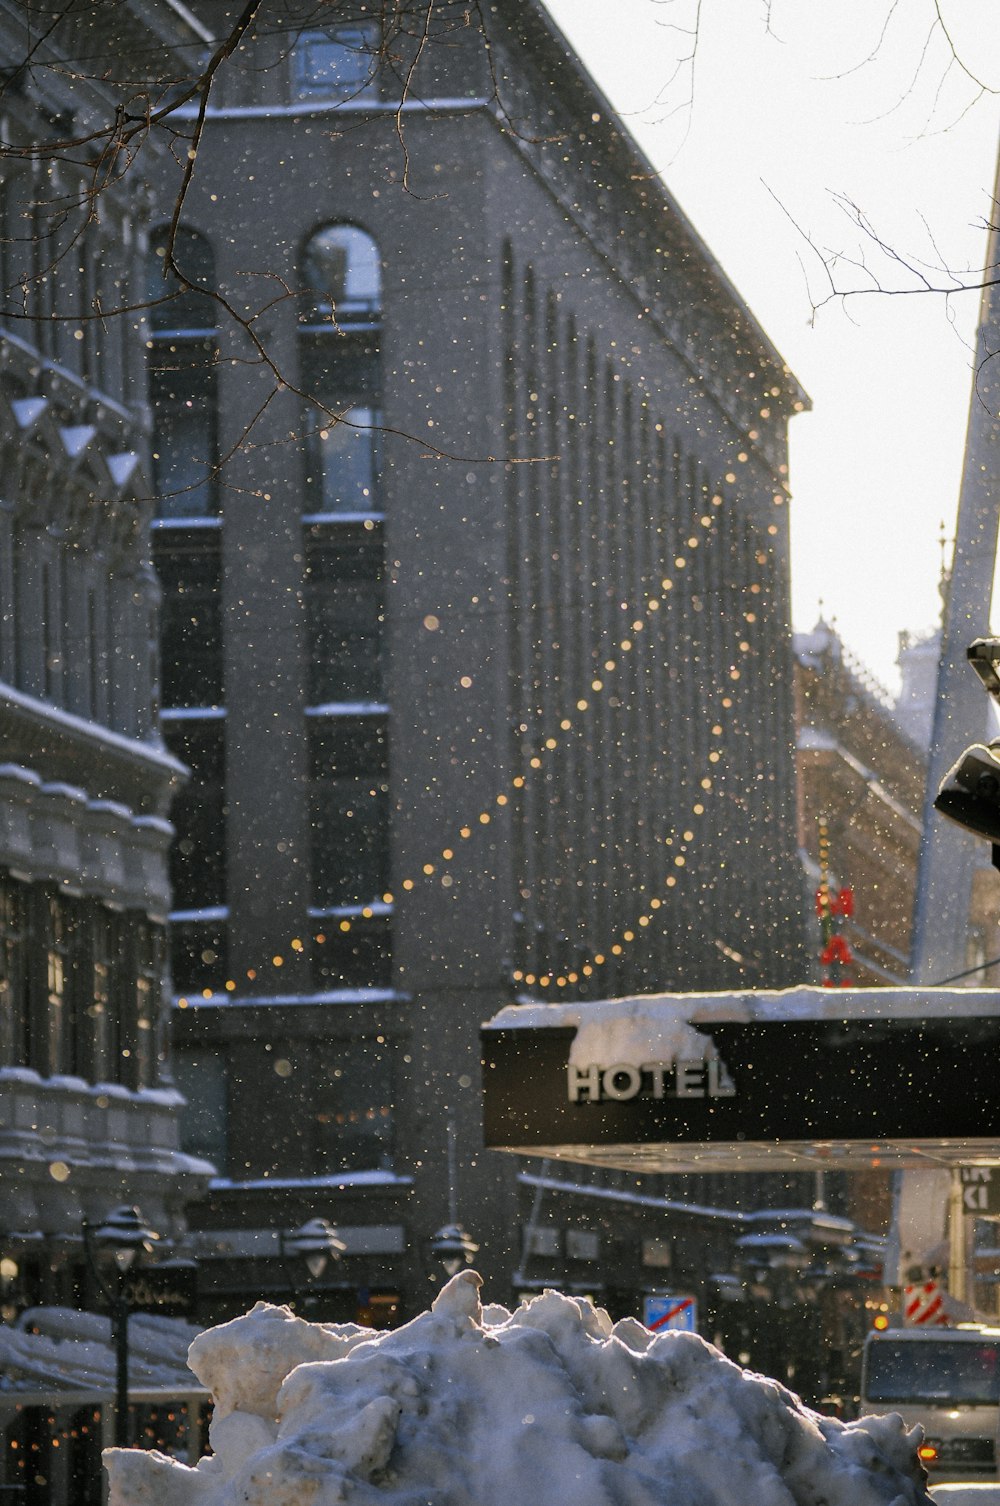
pixel 832 910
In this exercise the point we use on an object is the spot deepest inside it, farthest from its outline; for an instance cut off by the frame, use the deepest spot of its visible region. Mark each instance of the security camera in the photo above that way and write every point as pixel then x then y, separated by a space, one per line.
pixel 984 656
pixel 970 791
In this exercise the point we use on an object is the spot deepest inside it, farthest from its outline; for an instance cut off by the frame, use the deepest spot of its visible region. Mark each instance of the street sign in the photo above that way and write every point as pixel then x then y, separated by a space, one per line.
pixel 980 1191
pixel 659 1313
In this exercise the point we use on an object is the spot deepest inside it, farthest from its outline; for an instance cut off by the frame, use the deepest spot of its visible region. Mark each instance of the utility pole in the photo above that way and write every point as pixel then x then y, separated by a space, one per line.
pixel 948 855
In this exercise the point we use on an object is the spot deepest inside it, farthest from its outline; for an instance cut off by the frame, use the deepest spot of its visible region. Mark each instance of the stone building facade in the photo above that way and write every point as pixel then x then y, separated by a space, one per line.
pixel 477 644
pixel 88 1113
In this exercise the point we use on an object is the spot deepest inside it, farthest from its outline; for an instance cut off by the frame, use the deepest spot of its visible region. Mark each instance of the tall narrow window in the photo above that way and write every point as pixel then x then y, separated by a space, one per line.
pixel 200 1074
pixel 198 854
pixel 15 1040
pixel 352 1106
pixel 188 563
pixel 349 810
pixel 55 1017
pixel 182 375
pixel 341 369
pixel 344 615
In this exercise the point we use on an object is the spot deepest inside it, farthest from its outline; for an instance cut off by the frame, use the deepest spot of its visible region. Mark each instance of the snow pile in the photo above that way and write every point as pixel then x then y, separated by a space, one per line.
pixel 549 1406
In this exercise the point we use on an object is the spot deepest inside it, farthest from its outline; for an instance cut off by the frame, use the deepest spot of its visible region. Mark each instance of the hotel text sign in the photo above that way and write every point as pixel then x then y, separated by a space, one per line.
pixel 868 1091
pixel 657 1080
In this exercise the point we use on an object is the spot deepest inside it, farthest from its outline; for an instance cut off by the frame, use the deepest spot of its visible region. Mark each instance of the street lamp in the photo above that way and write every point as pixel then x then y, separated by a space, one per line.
pixel 126 1236
pixel 453 1247
pixel 315 1243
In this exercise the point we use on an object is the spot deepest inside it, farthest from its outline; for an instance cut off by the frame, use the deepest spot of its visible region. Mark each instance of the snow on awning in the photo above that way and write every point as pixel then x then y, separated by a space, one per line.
pixel 64 1350
pixel 802 1079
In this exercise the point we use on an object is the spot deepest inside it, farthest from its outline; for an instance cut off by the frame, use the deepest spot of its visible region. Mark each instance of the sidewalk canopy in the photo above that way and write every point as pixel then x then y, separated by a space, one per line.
pixel 797 1080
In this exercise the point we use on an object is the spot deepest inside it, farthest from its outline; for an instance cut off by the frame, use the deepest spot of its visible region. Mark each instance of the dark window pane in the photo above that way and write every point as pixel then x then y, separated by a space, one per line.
pixel 201 1076
pixel 344 463
pixel 198 954
pixel 185 448
pixel 360 957
pixel 198 854
pixel 342 369
pixel 15 1020
pixel 352 1107
pixel 270 1081
pixel 191 628
pixel 344 618
pixel 176 306
pixel 343 372
pixel 102 1028
pixel 349 810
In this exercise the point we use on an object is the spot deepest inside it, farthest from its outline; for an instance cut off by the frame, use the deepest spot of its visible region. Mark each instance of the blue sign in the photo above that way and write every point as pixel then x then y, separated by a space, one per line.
pixel 659 1313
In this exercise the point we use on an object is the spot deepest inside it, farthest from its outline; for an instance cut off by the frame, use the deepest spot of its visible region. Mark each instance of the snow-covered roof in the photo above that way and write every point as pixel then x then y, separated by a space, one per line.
pixel 60 1349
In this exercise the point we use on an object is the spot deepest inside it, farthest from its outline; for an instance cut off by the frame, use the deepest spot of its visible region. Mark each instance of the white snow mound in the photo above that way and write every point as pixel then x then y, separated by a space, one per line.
pixel 552 1405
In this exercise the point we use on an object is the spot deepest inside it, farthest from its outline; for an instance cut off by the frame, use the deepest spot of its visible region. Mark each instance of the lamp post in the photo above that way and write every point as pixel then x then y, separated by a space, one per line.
pixel 126 1236
pixel 451 1245
pixel 315 1243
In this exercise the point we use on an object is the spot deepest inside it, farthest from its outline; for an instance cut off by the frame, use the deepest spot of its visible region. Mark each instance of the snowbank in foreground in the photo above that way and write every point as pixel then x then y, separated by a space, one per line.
pixel 548 1406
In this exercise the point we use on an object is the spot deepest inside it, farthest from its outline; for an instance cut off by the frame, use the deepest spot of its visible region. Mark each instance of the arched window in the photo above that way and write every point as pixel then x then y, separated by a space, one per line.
pixel 341 369
pixel 182 375
pixel 342 267
pixel 175 304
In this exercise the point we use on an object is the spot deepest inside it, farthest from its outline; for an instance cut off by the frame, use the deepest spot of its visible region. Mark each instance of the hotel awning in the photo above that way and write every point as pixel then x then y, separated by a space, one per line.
pixel 802 1079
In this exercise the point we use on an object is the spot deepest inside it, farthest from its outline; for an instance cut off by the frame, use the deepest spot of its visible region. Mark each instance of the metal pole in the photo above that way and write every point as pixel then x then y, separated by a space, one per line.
pixel 119 1323
pixel 452 1173
pixel 949 855
pixel 958 1284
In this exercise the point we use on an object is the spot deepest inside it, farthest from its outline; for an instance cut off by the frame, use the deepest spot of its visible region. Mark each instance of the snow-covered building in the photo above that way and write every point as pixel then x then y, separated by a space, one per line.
pixel 88 1115
pixel 477 645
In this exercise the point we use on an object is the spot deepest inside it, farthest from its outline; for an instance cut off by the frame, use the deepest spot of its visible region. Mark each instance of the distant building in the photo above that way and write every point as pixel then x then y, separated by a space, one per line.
pixel 482 667
pixel 914 707
pixel 862 760
pixel 88 1113
pixel 861 790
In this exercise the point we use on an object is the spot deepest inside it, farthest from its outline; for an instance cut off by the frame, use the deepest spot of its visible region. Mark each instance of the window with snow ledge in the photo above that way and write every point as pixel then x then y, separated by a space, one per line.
pixel 307 1108
pixel 199 949
pixel 182 374
pixel 340 357
pixel 344 605
pixel 349 809
pixel 189 567
pixel 198 854
pixel 336 63
pixel 353 949
pixel 80 986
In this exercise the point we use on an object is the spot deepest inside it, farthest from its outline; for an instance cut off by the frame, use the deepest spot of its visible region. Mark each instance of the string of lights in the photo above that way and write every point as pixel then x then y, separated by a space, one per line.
pixel 585 705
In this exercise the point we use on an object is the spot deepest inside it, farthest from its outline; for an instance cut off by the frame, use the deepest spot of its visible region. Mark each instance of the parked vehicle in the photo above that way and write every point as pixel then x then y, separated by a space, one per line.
pixel 946 1379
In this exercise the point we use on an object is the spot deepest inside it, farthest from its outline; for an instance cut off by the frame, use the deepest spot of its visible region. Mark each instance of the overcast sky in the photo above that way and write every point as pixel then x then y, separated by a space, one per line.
pixel 791 108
